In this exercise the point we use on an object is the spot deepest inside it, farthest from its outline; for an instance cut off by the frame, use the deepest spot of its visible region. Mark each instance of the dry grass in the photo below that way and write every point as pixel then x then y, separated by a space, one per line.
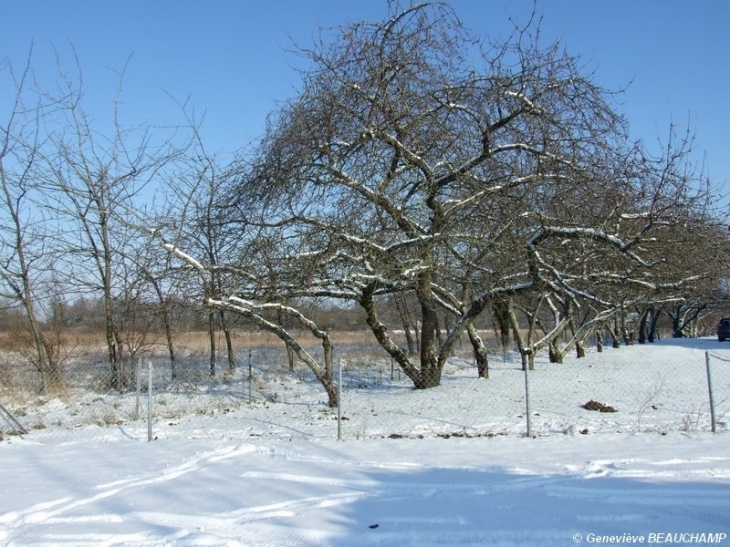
pixel 81 343
pixel 84 352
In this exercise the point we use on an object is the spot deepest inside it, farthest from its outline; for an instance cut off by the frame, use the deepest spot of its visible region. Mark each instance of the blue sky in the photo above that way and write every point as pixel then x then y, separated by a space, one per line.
pixel 233 59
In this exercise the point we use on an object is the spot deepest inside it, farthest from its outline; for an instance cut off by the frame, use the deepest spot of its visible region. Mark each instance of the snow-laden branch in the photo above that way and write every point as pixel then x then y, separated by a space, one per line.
pixel 406 152
pixel 524 147
pixel 599 318
pixel 288 310
pixel 185 257
pixel 409 226
pixel 563 285
pixel 361 242
pixel 531 107
pixel 545 232
pixel 250 310
pixel 557 330
pixel 657 287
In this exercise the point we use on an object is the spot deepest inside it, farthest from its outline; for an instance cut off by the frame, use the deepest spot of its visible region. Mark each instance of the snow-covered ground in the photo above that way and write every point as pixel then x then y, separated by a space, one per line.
pixel 447 466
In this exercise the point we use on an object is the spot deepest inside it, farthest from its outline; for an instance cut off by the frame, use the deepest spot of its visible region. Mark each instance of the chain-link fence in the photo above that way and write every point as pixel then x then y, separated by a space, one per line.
pixel 671 386
pixel 641 389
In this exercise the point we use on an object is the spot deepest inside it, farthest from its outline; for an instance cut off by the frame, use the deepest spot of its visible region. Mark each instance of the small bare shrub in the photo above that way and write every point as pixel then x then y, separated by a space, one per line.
pixel 692 418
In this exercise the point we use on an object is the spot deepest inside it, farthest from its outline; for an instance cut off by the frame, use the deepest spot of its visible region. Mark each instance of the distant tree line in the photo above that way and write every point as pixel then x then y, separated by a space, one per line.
pixel 422 181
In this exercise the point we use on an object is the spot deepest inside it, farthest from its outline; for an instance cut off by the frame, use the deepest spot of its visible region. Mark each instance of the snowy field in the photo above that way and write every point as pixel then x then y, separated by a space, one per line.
pixel 447 466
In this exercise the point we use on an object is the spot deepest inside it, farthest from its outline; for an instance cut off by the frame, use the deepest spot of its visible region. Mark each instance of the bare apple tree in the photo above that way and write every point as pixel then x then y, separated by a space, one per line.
pixel 416 160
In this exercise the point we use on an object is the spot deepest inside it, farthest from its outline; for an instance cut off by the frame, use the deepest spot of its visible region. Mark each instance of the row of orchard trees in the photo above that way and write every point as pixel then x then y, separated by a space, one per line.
pixel 418 161
pixel 417 164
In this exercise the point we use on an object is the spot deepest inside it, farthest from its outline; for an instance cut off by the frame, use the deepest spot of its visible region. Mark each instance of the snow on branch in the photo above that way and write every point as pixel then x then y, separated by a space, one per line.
pixel 288 310
pixel 524 147
pixel 407 153
pixel 185 257
pixel 532 108
pixel 546 232
pixel 408 225
pixel 242 307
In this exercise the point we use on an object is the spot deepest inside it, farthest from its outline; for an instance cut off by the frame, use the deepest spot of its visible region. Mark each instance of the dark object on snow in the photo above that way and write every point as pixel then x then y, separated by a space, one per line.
pixel 723 329
pixel 600 407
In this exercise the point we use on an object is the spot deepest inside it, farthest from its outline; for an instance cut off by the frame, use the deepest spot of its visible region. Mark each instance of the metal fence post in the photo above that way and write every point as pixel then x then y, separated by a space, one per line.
pixel 339 399
pixel 149 402
pixel 139 390
pixel 250 375
pixel 527 399
pixel 709 389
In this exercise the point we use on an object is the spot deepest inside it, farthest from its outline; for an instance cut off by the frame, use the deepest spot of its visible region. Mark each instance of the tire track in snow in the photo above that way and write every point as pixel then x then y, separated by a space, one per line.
pixel 226 529
pixel 267 524
pixel 44 512
pixel 424 488
pixel 292 522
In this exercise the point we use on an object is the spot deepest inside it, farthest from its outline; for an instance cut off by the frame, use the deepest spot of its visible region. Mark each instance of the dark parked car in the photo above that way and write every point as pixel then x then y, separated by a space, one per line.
pixel 723 329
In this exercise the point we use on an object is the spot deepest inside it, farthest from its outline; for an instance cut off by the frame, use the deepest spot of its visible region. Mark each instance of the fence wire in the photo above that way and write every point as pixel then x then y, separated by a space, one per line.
pixel 636 389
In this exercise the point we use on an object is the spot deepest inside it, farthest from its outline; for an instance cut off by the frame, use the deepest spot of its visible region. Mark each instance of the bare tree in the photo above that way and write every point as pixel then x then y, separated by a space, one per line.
pixel 90 181
pixel 160 275
pixel 417 163
pixel 204 232
pixel 25 264
pixel 405 166
pixel 257 312
pixel 143 305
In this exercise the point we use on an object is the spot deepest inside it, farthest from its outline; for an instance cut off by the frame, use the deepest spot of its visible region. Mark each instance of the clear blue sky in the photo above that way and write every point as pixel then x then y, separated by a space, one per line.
pixel 233 59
